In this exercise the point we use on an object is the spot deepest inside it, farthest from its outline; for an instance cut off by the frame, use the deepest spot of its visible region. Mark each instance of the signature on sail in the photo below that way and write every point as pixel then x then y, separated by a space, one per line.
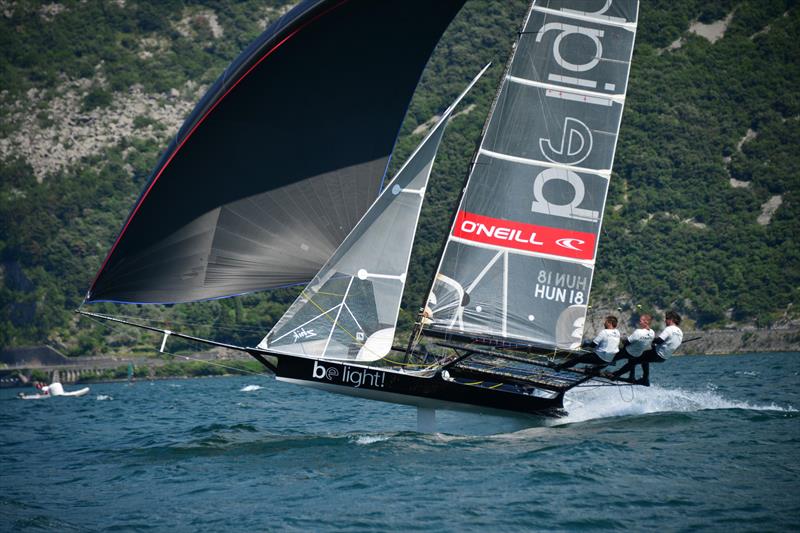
pixel 303 333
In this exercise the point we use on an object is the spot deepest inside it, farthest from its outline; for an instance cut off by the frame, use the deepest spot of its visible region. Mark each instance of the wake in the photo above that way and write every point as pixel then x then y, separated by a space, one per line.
pixel 603 402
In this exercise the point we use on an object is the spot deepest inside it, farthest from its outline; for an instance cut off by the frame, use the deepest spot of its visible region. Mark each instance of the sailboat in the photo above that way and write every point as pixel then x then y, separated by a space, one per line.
pixel 271 182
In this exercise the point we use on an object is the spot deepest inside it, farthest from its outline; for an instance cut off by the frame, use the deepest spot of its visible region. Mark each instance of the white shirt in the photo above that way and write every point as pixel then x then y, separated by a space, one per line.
pixel 673 337
pixel 607 344
pixel 639 341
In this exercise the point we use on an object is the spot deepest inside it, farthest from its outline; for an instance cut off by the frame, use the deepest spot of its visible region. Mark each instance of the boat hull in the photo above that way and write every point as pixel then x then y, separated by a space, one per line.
pixel 437 390
pixel 80 392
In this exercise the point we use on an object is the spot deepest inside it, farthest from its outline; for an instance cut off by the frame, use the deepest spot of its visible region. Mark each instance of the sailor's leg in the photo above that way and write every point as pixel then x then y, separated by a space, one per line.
pixel 426 420
pixel 630 366
pixel 645 372
pixel 584 358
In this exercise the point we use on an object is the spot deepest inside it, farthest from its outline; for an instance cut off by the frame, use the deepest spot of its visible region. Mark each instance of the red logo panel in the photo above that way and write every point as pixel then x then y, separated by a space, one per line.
pixel 528 237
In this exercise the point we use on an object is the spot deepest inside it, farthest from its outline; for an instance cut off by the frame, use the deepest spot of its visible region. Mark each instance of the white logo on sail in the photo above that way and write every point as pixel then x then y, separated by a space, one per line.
pixel 569 29
pixel 576 143
pixel 571 244
pixel 568 210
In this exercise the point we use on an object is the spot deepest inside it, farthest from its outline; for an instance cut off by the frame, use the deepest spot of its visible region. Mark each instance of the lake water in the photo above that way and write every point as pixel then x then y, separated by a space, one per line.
pixel 714 444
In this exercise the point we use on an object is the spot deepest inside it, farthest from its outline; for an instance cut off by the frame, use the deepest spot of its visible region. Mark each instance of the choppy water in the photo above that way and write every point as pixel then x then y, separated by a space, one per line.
pixel 714 444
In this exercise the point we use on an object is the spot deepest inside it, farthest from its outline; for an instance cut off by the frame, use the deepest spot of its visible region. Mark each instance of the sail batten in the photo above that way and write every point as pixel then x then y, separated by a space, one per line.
pixel 601 98
pixel 584 16
pixel 520 256
pixel 534 162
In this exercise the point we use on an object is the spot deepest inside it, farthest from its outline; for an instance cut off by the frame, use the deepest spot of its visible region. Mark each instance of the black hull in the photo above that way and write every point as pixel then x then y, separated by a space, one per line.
pixel 435 390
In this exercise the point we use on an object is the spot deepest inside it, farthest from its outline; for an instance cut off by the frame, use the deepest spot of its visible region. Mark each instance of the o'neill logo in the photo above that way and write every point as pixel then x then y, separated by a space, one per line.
pixel 354 377
pixel 521 236
pixel 571 243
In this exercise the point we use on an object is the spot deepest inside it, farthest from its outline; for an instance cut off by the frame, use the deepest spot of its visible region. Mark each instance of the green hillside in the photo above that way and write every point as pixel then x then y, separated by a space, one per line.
pixel 703 212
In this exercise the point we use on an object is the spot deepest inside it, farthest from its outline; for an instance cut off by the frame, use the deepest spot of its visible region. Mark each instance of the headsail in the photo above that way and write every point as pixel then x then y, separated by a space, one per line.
pixel 520 256
pixel 280 159
pixel 350 308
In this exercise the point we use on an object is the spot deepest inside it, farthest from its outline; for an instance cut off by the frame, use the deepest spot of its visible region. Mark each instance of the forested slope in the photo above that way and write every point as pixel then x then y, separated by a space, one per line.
pixel 703 207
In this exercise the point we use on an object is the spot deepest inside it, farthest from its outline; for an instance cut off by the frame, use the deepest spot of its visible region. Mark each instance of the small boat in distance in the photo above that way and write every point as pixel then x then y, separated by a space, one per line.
pixel 52 390
pixel 511 287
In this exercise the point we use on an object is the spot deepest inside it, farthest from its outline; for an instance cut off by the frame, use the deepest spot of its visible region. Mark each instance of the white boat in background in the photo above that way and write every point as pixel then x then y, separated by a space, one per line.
pixel 54 389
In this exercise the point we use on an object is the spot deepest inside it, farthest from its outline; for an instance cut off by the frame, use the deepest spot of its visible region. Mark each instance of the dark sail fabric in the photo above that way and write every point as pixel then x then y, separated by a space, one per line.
pixel 280 159
pixel 519 260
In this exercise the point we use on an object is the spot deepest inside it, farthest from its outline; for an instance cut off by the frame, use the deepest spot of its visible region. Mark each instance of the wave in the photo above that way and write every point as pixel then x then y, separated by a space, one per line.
pixel 250 388
pixel 104 397
pixel 368 439
pixel 587 403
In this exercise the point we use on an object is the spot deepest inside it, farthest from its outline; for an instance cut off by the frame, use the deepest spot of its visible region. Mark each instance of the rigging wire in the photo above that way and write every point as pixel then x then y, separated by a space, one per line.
pixel 185 323
pixel 116 328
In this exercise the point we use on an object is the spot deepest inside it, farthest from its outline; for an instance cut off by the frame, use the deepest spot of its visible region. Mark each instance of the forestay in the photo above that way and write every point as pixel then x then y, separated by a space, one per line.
pixel 349 310
pixel 520 256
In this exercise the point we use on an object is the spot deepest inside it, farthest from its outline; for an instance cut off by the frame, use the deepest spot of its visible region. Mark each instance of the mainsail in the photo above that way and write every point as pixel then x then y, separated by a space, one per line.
pixel 280 159
pixel 349 310
pixel 519 258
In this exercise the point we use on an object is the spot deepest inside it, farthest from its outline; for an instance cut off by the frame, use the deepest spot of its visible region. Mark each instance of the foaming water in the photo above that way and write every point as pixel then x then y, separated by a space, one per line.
pixel 250 388
pixel 592 402
pixel 369 439
pixel 104 397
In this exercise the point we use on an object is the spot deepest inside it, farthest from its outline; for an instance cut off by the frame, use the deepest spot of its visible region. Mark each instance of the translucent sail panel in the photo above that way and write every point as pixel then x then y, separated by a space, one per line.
pixel 350 309
pixel 280 159
pixel 519 260
pixel 547 310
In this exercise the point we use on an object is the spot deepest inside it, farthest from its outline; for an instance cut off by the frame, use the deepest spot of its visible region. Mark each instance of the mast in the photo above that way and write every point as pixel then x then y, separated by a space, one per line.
pixel 419 325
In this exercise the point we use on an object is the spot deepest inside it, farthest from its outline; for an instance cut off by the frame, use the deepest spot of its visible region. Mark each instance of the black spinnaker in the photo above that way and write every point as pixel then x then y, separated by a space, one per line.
pixel 280 159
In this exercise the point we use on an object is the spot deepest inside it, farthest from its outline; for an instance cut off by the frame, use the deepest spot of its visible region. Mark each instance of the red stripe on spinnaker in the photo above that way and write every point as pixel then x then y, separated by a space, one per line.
pixel 199 122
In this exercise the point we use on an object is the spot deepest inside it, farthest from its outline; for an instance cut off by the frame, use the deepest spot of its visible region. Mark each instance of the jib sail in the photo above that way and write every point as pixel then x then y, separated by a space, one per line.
pixel 349 310
pixel 260 186
pixel 520 256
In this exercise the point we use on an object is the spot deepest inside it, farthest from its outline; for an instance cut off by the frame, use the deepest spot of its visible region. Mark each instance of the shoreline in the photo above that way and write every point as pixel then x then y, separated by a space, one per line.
pixel 72 369
pixel 725 342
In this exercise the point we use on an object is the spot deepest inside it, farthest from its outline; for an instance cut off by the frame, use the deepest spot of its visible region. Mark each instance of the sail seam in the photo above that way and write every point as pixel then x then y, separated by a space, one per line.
pixel 591 94
pixel 535 162
pixel 630 26
pixel 586 262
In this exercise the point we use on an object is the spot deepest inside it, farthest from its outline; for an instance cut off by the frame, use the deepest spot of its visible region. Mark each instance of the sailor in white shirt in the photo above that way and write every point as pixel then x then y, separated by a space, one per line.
pixel 605 346
pixel 636 343
pixel 670 338
pixel 663 347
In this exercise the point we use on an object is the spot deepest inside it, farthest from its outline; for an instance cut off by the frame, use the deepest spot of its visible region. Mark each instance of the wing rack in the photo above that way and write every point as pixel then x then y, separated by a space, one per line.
pixel 485 367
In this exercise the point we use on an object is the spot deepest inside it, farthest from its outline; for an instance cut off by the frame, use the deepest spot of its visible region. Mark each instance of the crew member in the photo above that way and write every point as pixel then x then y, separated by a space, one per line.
pixel 663 347
pixel 605 346
pixel 637 342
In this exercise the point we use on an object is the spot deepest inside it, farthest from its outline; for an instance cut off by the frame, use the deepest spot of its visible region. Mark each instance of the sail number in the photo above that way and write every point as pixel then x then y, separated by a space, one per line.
pixel 561 287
